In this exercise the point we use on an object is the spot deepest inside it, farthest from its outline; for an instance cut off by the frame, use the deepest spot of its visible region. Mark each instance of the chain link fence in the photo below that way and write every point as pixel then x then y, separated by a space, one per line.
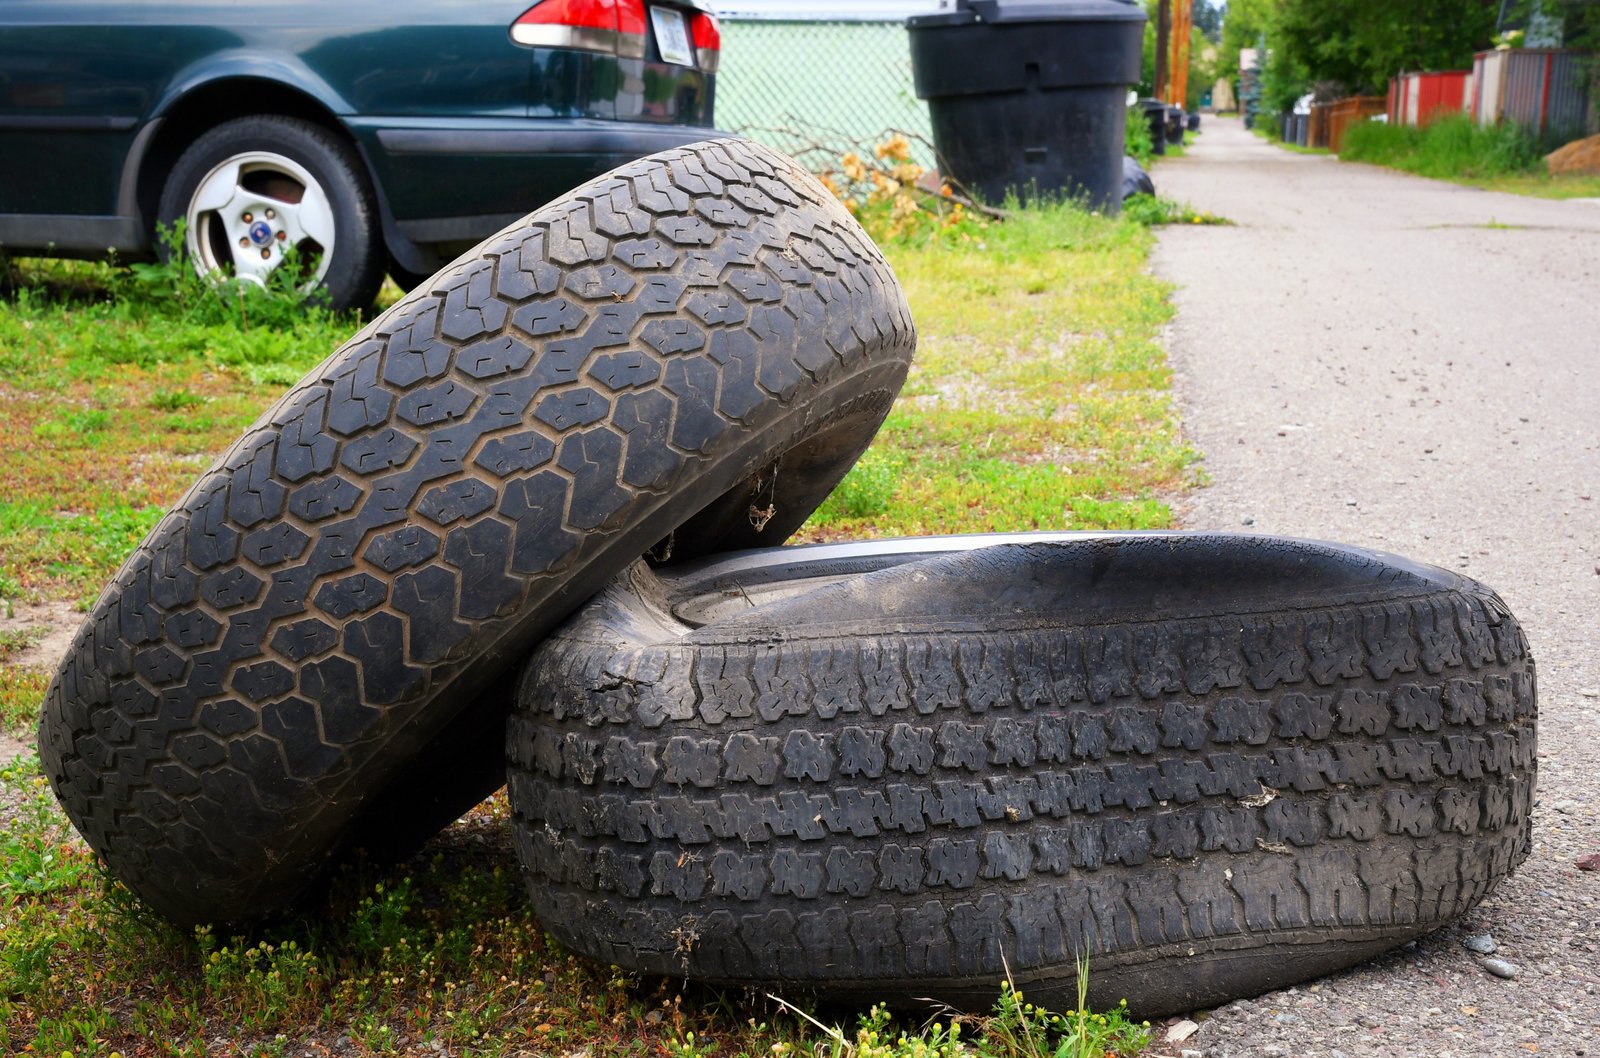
pixel 800 85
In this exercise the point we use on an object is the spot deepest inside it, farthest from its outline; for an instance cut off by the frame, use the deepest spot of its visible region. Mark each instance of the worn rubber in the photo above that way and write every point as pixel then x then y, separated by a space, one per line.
pixel 1214 765
pixel 307 653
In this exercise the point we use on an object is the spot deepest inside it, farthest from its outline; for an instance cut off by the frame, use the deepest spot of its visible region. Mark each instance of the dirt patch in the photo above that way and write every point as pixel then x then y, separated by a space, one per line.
pixel 12 748
pixel 49 628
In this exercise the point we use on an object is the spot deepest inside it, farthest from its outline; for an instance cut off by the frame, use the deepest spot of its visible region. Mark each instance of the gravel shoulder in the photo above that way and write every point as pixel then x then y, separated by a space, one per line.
pixel 1409 365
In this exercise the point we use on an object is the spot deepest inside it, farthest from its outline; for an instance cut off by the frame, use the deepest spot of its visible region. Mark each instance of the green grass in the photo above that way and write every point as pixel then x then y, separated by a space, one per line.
pixel 1040 399
pixel 1501 157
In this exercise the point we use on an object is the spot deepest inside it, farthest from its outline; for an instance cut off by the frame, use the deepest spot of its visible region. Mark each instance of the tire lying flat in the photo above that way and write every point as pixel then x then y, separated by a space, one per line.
pixel 1216 765
pixel 303 655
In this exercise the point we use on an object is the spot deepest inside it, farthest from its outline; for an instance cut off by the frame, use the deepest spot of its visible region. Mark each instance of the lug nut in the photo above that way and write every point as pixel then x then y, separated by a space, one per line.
pixel 271 214
pixel 244 240
pixel 265 254
pixel 282 236
pixel 248 217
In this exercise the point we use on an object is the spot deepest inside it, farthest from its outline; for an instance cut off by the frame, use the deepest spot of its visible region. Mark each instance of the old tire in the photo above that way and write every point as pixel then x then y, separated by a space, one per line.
pixel 306 653
pixel 1215 765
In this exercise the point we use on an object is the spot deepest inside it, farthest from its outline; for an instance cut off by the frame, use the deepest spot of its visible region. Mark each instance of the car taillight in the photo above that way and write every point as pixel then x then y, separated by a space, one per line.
pixel 614 27
pixel 707 40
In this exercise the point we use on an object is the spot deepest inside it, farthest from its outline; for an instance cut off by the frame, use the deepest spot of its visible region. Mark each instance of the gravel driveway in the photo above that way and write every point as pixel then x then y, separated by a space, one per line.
pixel 1408 365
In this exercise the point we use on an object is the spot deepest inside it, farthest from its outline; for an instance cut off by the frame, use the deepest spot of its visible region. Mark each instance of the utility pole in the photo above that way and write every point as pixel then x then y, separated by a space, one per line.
pixel 1182 22
pixel 1163 37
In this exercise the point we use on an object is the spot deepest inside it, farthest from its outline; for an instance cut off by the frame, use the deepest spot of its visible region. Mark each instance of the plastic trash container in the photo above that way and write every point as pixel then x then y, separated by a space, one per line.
pixel 1155 116
pixel 1030 95
pixel 1175 125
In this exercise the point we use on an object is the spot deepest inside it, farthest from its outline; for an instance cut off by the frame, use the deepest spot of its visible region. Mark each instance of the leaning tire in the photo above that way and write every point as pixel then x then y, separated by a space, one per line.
pixel 1213 765
pixel 289 166
pixel 306 653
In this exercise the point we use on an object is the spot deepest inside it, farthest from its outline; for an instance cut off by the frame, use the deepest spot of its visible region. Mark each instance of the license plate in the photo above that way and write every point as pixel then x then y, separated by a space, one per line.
pixel 672 36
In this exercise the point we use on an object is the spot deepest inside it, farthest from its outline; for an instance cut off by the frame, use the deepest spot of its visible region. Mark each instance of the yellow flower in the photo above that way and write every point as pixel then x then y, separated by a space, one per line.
pixel 852 166
pixel 896 147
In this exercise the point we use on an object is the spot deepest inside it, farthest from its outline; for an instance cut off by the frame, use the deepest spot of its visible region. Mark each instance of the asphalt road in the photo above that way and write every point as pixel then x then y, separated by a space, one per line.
pixel 1405 364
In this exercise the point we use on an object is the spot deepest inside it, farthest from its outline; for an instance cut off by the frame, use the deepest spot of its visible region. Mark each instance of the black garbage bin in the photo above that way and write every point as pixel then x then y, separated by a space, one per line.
pixel 1175 125
pixel 1155 117
pixel 1030 95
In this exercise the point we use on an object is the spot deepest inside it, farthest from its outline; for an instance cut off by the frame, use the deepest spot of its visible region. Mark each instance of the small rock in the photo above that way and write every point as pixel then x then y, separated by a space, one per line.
pixel 1249 521
pixel 1286 1019
pixel 1564 807
pixel 1501 968
pixel 1483 944
pixel 1590 863
pixel 1369 1022
pixel 1274 1050
pixel 1191 1054
pixel 1590 692
pixel 1182 1031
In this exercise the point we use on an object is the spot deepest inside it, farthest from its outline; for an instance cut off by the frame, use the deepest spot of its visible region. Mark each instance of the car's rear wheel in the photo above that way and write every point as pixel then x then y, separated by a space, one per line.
pixel 261 193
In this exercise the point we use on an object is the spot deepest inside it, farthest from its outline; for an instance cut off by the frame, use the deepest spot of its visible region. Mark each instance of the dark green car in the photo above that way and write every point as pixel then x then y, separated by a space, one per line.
pixel 372 135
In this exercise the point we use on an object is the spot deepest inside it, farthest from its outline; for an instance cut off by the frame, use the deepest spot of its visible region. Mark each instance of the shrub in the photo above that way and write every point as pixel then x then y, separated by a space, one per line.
pixel 1452 147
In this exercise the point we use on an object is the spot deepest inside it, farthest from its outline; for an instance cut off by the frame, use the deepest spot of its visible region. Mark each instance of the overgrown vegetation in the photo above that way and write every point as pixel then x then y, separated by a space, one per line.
pixel 1039 396
pixel 117 386
pixel 1501 157
pixel 1039 400
pixel 445 957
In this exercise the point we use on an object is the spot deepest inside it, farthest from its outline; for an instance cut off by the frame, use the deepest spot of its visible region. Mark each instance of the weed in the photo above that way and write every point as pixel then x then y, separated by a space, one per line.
pixel 21 691
pixel 883 190
pixel 1150 210
pixel 37 852
pixel 14 641
pixel 1500 157
pixel 1013 1029
pixel 1137 140
pixel 175 400
pixel 1038 397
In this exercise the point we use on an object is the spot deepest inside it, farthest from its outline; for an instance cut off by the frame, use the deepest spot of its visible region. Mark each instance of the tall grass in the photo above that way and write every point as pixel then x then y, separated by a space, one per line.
pixel 1451 148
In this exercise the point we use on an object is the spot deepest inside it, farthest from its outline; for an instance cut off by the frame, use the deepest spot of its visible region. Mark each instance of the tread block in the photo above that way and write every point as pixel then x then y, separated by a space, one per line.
pixel 434 497
pixel 967 801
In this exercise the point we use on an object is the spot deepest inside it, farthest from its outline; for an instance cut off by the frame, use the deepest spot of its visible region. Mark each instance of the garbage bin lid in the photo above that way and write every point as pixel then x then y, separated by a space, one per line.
pixel 969 12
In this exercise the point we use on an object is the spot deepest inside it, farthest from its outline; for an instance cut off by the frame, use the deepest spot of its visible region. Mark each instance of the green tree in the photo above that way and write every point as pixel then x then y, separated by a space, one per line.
pixel 1243 24
pixel 1360 44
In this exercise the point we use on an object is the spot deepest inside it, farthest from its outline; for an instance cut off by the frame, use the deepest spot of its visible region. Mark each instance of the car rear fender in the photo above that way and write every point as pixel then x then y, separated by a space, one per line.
pixel 256 65
pixel 223 86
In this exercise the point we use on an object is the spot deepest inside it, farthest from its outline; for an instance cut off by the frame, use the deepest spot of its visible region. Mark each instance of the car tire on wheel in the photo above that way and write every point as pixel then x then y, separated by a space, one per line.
pixel 314 649
pixel 1210 765
pixel 250 188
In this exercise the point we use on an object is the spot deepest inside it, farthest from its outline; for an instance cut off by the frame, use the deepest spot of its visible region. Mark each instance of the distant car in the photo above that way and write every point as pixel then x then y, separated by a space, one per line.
pixel 373 135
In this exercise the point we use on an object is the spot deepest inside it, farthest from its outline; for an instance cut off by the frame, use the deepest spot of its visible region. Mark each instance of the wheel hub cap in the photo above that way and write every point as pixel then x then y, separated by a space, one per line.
pixel 261 233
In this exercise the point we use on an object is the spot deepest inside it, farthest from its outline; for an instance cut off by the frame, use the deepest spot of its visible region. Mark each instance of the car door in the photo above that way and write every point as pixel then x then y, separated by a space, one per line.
pixel 72 92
